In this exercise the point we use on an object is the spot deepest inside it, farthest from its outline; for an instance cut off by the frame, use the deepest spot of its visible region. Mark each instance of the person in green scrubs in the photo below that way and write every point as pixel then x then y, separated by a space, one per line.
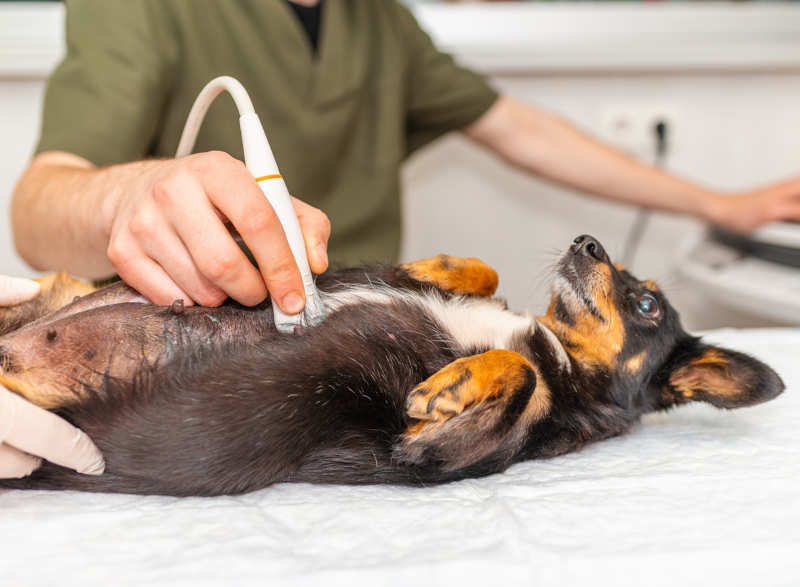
pixel 346 90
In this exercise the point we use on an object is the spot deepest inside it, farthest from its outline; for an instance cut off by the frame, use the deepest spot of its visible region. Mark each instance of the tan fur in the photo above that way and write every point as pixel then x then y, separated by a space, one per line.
pixel 634 364
pixel 59 289
pixel 592 341
pixel 43 393
pixel 473 380
pixel 709 373
pixel 462 276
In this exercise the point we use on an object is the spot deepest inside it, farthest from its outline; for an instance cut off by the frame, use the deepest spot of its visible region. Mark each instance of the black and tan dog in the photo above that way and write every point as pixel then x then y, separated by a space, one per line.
pixel 417 376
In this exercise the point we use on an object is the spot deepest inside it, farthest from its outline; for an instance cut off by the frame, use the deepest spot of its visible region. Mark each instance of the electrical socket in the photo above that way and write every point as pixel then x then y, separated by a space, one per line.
pixel 631 127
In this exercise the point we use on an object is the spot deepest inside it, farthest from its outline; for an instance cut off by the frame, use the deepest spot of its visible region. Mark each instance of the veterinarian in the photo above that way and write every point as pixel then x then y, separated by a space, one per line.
pixel 346 90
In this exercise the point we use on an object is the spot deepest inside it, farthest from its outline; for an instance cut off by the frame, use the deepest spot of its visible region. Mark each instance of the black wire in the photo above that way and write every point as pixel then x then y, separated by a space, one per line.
pixel 635 234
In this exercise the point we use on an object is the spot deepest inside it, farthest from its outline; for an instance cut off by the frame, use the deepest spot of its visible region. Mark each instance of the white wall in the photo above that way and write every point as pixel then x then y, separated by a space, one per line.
pixel 729 76
pixel 729 131
pixel 20 104
pixel 31 43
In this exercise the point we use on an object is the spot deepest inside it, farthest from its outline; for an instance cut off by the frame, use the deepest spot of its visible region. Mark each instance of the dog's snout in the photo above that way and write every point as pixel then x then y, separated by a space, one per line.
pixel 589 247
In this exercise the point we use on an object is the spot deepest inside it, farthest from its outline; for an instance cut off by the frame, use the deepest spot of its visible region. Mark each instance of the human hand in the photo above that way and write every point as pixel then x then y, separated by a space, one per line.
pixel 747 211
pixel 167 235
pixel 16 290
pixel 27 430
pixel 29 434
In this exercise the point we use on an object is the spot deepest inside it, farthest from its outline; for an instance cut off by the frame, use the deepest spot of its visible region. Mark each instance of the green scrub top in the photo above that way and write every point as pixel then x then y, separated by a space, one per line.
pixel 340 121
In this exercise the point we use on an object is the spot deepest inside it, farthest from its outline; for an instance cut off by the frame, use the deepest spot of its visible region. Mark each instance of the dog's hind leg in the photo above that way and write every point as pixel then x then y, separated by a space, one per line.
pixel 460 276
pixel 57 291
pixel 474 407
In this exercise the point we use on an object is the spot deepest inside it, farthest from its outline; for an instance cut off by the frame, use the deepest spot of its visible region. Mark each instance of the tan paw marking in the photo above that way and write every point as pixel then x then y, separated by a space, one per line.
pixel 462 276
pixel 465 383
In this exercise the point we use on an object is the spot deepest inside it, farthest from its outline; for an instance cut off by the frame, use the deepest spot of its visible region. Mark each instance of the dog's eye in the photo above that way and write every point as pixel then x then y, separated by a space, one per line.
pixel 647 306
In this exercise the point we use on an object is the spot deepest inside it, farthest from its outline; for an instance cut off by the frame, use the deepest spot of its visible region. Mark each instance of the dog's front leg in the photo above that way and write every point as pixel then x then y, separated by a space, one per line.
pixel 472 408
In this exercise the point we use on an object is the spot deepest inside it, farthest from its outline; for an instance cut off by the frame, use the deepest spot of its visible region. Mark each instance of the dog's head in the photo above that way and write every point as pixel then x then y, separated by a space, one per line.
pixel 625 332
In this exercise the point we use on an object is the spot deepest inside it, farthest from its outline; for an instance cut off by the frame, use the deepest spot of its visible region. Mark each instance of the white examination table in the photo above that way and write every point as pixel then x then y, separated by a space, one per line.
pixel 692 497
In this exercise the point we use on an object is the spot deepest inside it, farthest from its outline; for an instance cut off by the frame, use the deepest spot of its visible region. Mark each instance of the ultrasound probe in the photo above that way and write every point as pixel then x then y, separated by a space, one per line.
pixel 261 163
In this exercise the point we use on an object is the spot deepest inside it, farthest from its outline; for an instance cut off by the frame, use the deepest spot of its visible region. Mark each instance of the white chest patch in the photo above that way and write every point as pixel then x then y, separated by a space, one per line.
pixel 475 322
pixel 471 322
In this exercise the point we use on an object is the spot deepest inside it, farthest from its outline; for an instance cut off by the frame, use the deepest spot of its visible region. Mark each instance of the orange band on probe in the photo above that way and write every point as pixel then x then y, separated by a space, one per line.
pixel 263 177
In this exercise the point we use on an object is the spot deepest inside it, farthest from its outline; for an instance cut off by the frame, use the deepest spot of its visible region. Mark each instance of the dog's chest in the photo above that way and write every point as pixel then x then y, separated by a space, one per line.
pixel 470 322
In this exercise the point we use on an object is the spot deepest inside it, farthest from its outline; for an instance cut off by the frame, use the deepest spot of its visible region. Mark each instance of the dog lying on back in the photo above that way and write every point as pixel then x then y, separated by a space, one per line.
pixel 417 376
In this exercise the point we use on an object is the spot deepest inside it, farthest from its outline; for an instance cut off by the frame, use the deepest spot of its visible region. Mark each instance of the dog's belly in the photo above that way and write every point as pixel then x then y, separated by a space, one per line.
pixel 64 356
pixel 59 358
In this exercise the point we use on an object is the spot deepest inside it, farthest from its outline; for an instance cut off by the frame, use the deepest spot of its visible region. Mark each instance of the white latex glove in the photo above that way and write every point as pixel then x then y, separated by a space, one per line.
pixel 27 432
pixel 15 290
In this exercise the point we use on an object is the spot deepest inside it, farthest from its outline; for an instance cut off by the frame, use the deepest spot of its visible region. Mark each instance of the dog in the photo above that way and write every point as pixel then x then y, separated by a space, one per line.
pixel 417 376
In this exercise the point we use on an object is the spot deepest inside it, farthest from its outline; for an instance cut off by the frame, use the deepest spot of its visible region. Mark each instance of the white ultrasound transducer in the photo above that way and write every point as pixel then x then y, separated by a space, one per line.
pixel 261 162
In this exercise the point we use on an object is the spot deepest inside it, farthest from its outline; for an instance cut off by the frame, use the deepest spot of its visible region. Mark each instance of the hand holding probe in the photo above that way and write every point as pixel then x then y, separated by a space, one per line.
pixel 261 163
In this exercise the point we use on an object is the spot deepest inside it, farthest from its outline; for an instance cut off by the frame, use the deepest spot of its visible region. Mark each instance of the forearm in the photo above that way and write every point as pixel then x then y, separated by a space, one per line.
pixel 549 147
pixel 60 213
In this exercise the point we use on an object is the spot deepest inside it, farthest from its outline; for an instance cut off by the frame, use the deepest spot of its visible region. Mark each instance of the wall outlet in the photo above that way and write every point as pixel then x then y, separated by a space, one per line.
pixel 632 128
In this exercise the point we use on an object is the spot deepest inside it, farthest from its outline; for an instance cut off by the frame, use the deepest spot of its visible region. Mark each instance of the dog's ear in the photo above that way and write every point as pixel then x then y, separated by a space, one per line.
pixel 721 377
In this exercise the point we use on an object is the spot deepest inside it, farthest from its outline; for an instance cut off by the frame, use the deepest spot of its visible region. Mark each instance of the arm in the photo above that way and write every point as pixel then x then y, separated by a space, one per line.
pixel 161 225
pixel 549 147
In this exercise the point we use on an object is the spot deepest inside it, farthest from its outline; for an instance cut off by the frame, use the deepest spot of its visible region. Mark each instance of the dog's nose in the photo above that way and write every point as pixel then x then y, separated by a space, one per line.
pixel 589 247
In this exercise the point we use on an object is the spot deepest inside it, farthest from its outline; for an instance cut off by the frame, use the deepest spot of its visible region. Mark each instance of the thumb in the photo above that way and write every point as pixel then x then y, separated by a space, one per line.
pixel 40 433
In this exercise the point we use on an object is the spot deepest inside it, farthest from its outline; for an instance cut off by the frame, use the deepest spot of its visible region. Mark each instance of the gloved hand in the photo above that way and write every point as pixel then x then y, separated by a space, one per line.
pixel 15 290
pixel 27 432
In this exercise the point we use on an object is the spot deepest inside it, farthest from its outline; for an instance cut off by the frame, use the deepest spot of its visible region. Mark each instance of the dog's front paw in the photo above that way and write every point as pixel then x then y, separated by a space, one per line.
pixel 471 381
pixel 446 393
pixel 465 410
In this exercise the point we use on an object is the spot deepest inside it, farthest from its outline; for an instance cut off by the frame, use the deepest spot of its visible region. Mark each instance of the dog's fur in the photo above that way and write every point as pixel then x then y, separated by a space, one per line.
pixel 417 376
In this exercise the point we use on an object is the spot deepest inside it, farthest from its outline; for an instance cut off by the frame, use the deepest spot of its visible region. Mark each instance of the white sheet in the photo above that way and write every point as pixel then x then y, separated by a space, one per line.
pixel 696 496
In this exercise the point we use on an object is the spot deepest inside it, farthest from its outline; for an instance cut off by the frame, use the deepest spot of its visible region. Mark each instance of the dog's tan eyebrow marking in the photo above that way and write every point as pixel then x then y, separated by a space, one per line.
pixel 634 364
pixel 651 285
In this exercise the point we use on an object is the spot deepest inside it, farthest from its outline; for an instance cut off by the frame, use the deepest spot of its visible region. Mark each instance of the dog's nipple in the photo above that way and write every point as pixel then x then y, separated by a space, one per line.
pixel 177 307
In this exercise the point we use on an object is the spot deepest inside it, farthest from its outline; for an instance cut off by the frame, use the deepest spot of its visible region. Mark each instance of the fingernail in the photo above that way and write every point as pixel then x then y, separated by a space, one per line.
pixel 95 464
pixel 293 303
pixel 322 253
pixel 34 464
pixel 98 467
